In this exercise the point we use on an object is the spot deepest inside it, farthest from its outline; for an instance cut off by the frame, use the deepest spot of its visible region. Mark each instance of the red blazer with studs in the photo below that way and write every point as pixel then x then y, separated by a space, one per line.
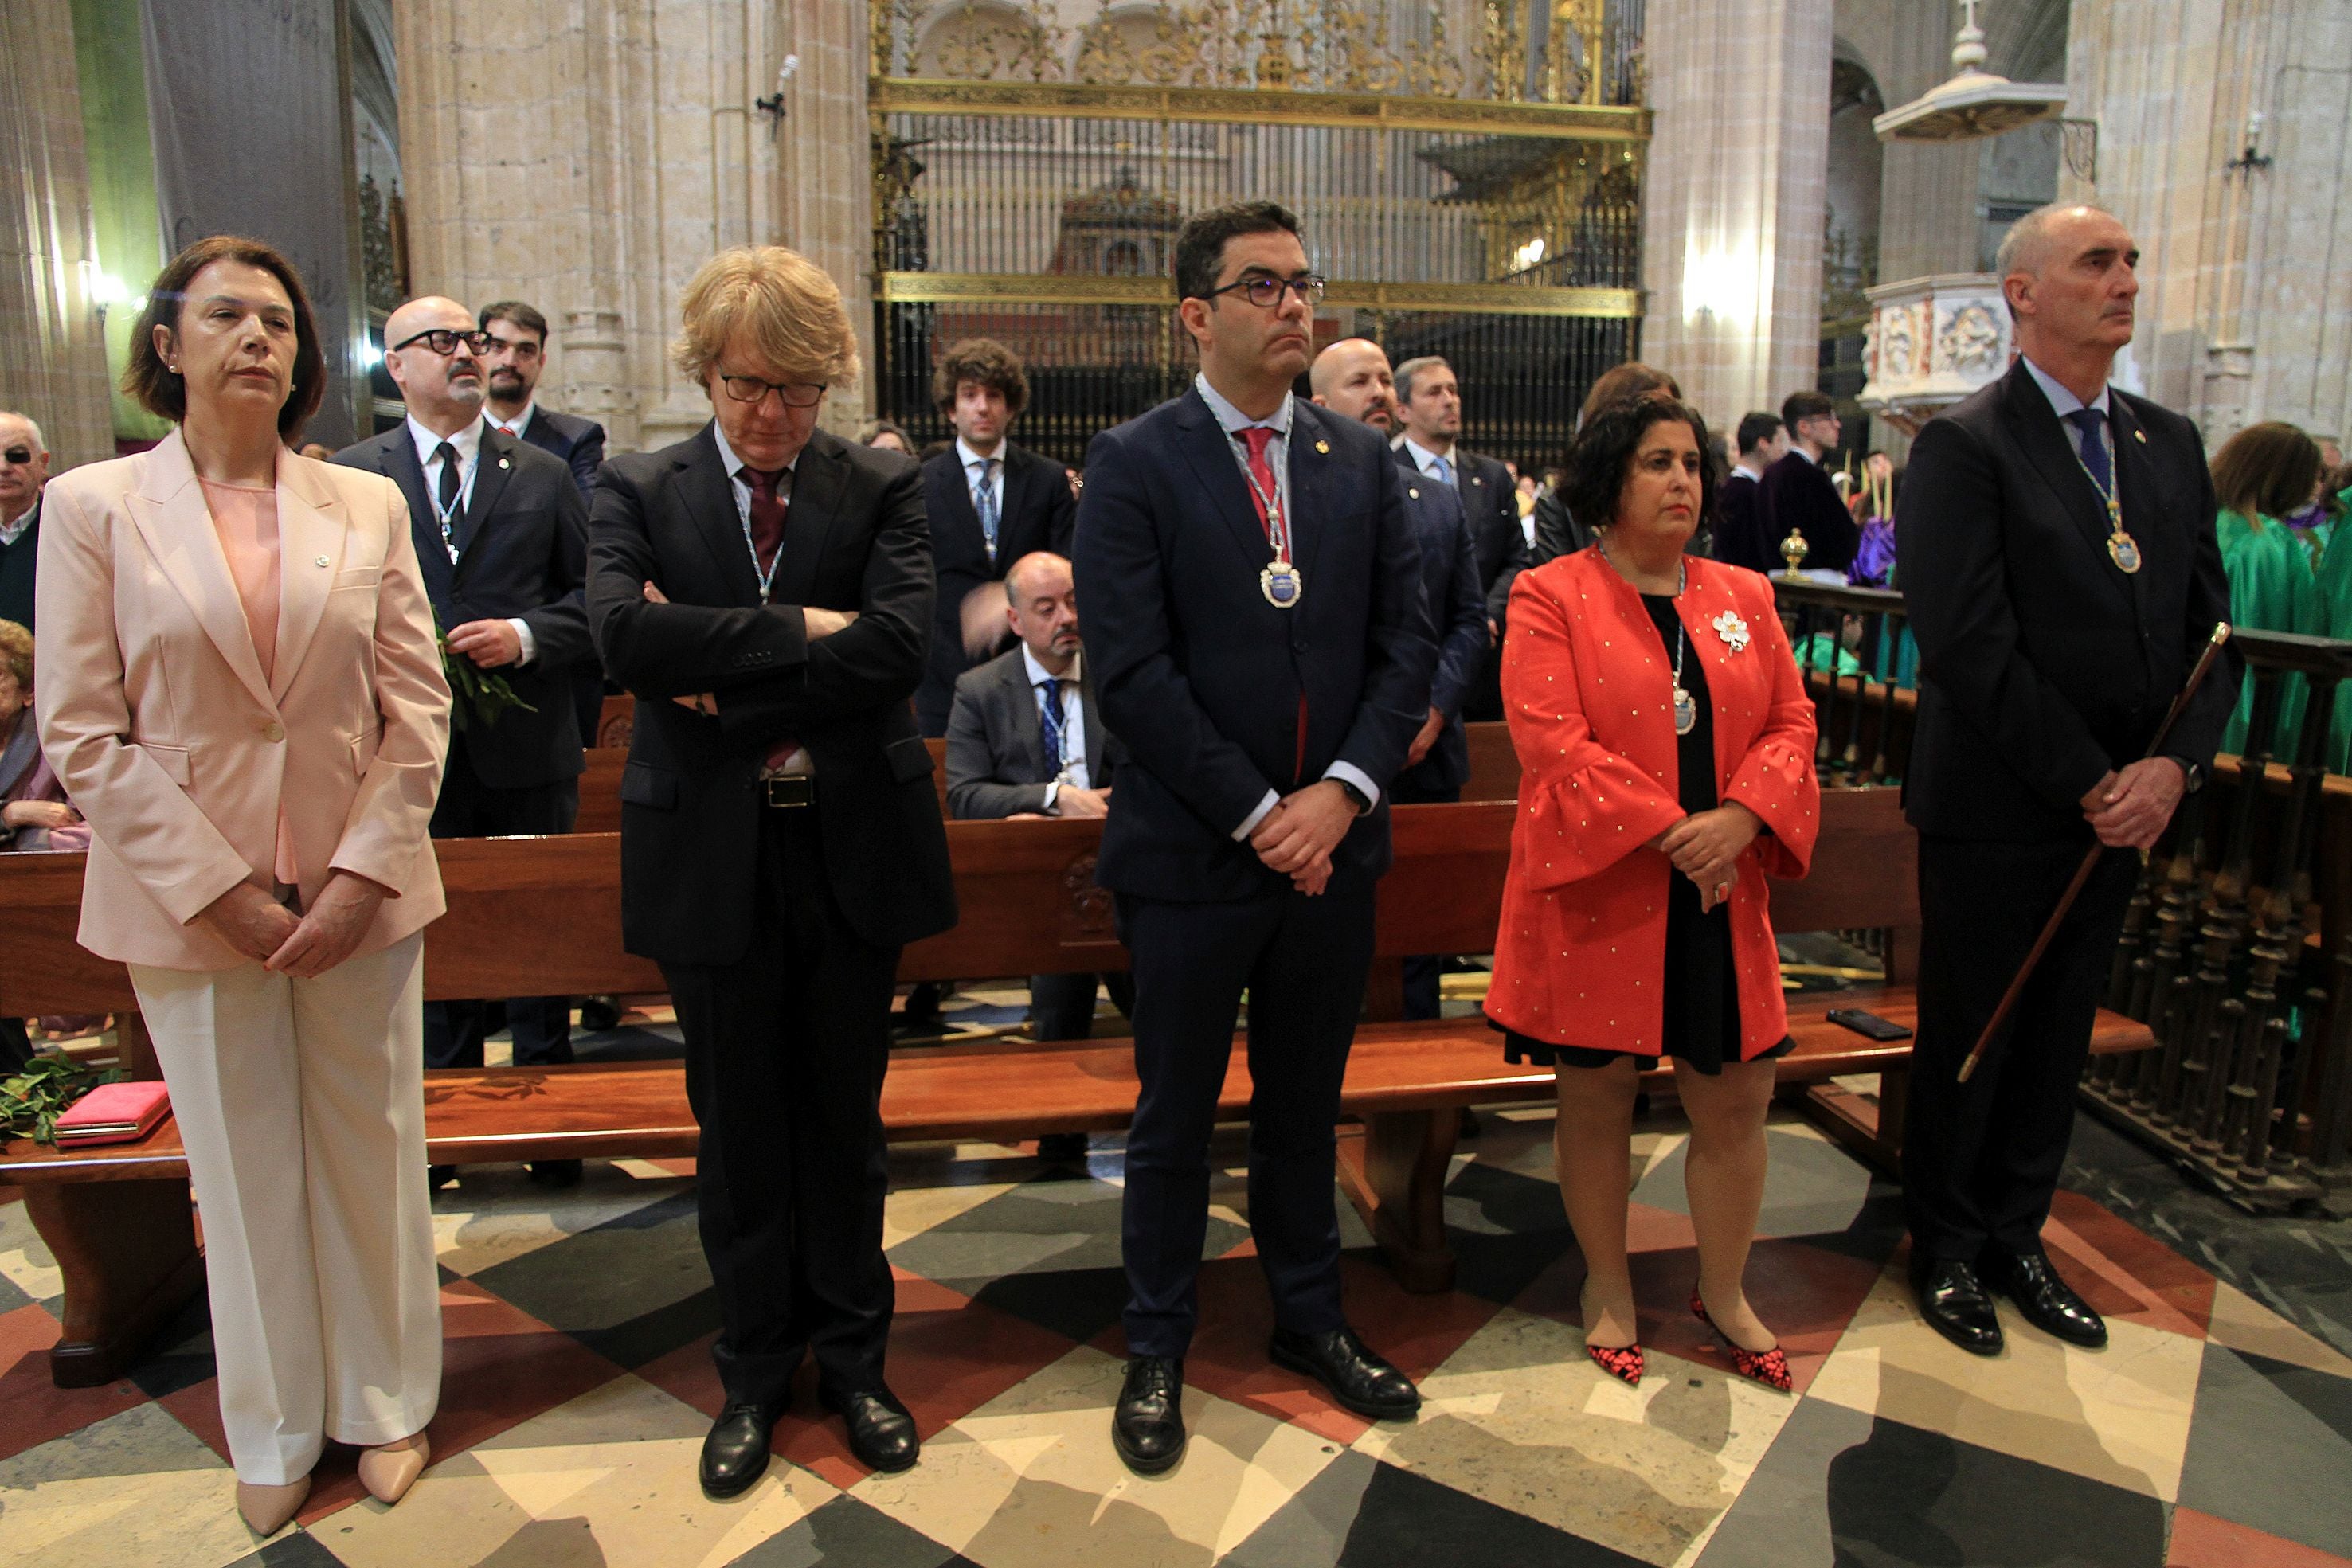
pixel 1587 688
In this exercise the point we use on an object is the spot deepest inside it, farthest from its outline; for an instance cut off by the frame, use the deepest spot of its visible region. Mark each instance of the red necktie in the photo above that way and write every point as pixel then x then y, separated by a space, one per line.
pixel 767 521
pixel 1257 437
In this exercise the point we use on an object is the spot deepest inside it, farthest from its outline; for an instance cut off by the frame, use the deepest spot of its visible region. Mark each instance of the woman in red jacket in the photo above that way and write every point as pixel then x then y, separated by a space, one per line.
pixel 1666 741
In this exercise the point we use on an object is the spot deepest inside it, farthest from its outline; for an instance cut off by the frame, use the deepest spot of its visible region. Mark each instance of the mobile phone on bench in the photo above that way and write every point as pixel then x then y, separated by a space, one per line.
pixel 1868 1023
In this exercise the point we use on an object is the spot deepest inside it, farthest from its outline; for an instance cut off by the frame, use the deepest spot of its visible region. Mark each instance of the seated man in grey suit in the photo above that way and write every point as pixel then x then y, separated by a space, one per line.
pixel 1024 740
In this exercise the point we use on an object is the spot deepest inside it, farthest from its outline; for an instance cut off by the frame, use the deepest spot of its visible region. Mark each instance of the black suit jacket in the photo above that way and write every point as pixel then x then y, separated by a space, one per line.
pixel 2040 665
pixel 1453 597
pixel 1798 494
pixel 1202 679
pixel 579 442
pixel 525 556
pixel 1744 535
pixel 996 742
pixel 855 539
pixel 1038 514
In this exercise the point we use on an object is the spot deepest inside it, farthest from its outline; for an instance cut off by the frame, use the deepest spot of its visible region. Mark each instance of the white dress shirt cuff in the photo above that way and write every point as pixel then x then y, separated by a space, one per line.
pixel 1053 793
pixel 1348 772
pixel 1250 822
pixel 530 643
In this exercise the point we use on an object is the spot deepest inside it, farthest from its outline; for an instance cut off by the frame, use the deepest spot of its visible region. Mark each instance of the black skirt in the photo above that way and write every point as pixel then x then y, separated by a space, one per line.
pixel 1702 988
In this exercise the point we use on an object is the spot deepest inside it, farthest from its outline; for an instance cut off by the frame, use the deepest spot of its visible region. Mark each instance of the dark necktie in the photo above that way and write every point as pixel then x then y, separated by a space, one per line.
pixel 2087 423
pixel 985 499
pixel 1050 713
pixel 768 491
pixel 451 523
pixel 1258 438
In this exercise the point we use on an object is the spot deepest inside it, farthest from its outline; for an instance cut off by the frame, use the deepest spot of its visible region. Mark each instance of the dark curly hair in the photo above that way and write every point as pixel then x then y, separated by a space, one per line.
pixel 160 390
pixel 1603 452
pixel 987 362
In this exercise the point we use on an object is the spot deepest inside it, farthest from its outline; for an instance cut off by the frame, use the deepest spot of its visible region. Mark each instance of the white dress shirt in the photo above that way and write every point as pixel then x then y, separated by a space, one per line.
pixel 1074 724
pixel 1277 457
pixel 467 444
pixel 972 470
pixel 518 423
pixel 1426 462
pixel 2064 402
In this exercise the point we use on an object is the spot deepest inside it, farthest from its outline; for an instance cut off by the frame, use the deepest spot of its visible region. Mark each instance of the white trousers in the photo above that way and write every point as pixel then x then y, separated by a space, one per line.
pixel 301 1103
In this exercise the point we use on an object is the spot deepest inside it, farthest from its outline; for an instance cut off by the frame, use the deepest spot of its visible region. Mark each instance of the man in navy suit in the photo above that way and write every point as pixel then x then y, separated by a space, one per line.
pixel 990 503
pixel 1798 494
pixel 1351 377
pixel 501 535
pixel 1261 647
pixel 512 366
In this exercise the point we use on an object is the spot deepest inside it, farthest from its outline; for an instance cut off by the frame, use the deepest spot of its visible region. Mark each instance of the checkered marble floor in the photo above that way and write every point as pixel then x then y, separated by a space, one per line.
pixel 2212 1432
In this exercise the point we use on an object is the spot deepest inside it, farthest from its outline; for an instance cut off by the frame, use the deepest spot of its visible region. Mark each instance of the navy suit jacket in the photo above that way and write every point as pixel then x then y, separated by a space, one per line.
pixel 2040 665
pixel 1744 535
pixel 1204 681
pixel 1457 613
pixel 1037 514
pixel 579 442
pixel 525 556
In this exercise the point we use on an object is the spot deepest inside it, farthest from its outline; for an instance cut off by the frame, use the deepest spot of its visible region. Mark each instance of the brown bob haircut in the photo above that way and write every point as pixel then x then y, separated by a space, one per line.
pixel 987 362
pixel 163 393
pixel 1604 450
pixel 1618 382
pixel 2266 470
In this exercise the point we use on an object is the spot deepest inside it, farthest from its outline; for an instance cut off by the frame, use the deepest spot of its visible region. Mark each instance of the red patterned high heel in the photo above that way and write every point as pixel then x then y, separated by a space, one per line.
pixel 1622 1361
pixel 1768 1367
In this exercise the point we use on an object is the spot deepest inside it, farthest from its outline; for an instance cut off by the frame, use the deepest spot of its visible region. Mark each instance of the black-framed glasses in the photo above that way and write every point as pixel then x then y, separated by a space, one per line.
pixel 444 343
pixel 18 457
pixel 1265 290
pixel 791 394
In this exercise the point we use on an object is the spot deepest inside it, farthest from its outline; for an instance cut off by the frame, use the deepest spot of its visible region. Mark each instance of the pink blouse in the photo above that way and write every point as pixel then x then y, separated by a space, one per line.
pixel 244 517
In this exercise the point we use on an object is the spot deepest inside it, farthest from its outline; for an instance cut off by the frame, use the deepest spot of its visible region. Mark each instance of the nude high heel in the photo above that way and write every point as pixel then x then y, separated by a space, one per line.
pixel 267 1509
pixel 389 1471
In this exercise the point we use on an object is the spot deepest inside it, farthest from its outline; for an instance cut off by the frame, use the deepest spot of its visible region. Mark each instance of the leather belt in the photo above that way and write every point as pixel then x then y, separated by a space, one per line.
pixel 788 791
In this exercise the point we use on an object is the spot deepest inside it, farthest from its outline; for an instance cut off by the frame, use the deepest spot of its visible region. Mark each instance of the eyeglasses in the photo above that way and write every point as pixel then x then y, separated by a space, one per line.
pixel 18 457
pixel 1265 293
pixel 442 341
pixel 791 394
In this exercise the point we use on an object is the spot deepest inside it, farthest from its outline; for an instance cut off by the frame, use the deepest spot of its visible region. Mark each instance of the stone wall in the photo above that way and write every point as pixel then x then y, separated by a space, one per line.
pixel 52 354
pixel 587 155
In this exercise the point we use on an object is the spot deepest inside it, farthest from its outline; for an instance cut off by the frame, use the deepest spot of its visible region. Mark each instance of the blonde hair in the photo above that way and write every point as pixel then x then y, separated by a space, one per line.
pixel 17 654
pixel 779 299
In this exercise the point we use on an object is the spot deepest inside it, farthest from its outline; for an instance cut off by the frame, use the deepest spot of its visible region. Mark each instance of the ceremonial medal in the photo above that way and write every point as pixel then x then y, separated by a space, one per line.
pixel 1282 585
pixel 1685 710
pixel 2124 551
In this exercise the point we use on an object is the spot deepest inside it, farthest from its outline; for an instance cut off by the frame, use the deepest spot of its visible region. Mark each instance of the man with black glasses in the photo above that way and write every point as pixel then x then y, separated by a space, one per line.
pixel 23 470
pixel 1261 646
pixel 501 535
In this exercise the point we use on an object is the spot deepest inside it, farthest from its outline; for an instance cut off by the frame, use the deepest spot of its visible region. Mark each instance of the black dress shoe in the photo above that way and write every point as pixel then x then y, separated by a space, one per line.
pixel 555 1173
pixel 1956 1305
pixel 735 1454
pixel 1061 1147
pixel 2043 1299
pixel 1147 1427
pixel 1356 1378
pixel 438 1176
pixel 881 1433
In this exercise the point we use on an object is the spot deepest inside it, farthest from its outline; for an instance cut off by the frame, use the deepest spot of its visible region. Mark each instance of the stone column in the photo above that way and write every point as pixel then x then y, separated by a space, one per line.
pixel 52 352
pixel 2239 319
pixel 1734 202
pixel 588 155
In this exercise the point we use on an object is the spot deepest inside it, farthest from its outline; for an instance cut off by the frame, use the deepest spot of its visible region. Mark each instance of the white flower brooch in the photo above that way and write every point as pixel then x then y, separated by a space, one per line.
pixel 1732 630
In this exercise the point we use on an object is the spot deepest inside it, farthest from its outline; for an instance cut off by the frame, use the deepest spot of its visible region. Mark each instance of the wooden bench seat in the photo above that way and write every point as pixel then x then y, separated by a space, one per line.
pixel 541 915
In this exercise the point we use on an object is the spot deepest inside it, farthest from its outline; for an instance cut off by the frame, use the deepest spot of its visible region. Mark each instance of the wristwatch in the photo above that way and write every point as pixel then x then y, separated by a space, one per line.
pixel 1357 798
pixel 2192 776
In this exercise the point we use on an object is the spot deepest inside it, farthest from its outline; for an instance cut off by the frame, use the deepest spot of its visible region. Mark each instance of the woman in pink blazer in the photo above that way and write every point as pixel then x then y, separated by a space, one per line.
pixel 239 686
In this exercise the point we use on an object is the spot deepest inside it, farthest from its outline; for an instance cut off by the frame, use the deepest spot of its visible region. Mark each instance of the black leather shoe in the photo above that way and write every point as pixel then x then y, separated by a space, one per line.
pixel 1956 1305
pixel 881 1433
pixel 1356 1378
pixel 555 1173
pixel 1063 1148
pixel 1147 1427
pixel 2043 1299
pixel 438 1176
pixel 735 1454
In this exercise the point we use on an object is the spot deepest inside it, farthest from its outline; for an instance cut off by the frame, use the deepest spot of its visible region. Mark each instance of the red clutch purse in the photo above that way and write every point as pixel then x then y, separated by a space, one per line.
pixel 114 1113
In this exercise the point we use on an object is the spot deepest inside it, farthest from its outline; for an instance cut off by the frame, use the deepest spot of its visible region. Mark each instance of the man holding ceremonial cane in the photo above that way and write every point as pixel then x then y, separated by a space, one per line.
pixel 2055 545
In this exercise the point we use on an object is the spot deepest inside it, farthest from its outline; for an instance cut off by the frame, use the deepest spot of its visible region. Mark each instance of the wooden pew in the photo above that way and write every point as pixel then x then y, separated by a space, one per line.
pixel 539 913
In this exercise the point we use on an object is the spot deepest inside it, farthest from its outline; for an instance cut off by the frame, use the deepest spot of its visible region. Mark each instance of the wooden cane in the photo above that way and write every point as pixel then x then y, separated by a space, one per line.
pixel 2090 859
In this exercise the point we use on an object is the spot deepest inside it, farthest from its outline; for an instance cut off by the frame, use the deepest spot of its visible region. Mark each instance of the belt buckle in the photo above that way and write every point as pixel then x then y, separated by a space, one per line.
pixel 789 791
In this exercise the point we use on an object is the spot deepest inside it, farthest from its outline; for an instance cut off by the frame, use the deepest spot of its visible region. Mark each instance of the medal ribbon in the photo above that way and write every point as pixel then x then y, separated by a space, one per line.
pixel 1268 496
pixel 2096 438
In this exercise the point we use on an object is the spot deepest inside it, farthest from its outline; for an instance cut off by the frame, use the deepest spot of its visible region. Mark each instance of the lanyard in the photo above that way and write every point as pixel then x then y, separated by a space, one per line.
pixel 767 575
pixel 456 505
pixel 1277 525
